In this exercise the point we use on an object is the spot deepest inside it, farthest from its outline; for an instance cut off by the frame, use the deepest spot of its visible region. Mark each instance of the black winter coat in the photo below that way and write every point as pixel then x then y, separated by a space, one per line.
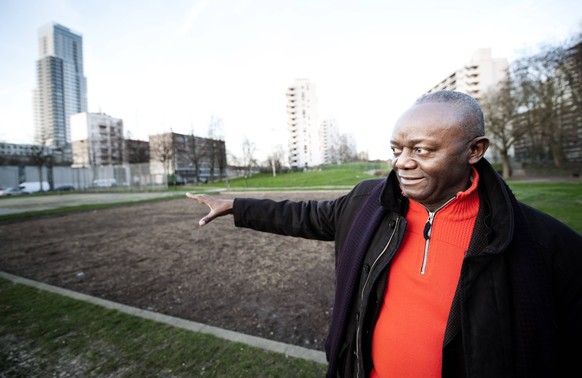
pixel 517 311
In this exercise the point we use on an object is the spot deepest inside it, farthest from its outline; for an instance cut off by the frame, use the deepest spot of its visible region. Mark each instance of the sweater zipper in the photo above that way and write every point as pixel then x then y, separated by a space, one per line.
pixel 427 232
pixel 358 328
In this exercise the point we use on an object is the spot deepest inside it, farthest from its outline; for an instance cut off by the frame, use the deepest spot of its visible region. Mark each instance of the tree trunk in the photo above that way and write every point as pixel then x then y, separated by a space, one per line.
pixel 40 177
pixel 505 165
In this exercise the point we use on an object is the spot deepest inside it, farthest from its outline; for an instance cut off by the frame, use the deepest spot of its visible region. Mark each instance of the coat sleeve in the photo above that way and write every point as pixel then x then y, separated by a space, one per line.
pixel 319 220
pixel 306 219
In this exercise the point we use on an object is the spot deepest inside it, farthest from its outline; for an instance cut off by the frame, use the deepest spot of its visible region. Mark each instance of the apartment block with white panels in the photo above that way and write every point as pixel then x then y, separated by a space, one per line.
pixel 304 146
pixel 477 76
pixel 97 139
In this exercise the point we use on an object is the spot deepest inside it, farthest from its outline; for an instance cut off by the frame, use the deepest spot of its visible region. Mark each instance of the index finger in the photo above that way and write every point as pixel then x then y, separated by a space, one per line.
pixel 198 197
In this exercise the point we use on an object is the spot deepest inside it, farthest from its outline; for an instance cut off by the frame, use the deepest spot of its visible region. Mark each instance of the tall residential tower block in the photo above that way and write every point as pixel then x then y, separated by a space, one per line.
pixel 304 150
pixel 61 89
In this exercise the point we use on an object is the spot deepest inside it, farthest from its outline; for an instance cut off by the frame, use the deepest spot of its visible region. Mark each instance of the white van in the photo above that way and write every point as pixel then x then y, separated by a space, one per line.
pixel 105 183
pixel 34 186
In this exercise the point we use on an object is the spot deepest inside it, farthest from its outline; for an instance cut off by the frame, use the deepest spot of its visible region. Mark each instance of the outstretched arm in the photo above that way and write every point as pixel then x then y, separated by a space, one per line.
pixel 218 206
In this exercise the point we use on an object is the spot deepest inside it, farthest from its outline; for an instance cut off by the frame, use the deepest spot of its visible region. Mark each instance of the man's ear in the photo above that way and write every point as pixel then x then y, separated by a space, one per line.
pixel 478 147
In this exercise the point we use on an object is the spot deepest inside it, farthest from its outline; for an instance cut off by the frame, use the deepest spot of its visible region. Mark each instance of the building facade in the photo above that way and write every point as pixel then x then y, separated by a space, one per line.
pixel 61 89
pixel 137 151
pixel 567 116
pixel 22 154
pixel 187 158
pixel 97 140
pixel 304 146
pixel 477 76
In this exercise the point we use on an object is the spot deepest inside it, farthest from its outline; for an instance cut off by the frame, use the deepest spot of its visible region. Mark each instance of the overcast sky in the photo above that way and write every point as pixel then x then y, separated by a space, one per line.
pixel 162 65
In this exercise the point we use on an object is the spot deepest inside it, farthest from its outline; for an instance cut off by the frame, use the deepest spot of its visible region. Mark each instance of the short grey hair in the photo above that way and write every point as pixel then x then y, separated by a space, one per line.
pixel 471 113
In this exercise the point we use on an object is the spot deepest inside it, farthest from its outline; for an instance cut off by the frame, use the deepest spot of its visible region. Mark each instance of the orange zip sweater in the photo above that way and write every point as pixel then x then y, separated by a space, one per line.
pixel 408 337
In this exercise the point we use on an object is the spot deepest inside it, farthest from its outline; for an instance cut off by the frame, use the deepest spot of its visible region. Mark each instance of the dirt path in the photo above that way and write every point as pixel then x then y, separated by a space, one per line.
pixel 154 256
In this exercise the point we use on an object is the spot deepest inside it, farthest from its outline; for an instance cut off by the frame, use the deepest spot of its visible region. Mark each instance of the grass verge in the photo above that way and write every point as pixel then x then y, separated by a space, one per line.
pixel 344 175
pixel 47 335
pixel 562 200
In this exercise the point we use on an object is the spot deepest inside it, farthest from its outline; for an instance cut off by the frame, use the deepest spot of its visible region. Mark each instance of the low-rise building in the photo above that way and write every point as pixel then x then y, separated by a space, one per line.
pixel 137 151
pixel 97 140
pixel 187 158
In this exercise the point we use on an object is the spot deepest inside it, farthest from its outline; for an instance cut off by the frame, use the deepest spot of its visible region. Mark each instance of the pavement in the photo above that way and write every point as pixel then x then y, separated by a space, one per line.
pixel 253 341
pixel 25 203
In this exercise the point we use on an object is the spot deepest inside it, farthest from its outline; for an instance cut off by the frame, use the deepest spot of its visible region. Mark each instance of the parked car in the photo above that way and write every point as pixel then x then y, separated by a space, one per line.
pixel 11 192
pixel 64 188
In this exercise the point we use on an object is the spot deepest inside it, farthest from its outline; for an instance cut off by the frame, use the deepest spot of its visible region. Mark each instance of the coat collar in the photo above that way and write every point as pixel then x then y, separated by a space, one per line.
pixel 495 196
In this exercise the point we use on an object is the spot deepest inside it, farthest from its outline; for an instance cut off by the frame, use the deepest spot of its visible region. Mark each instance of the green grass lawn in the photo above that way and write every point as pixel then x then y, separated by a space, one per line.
pixel 47 335
pixel 562 200
pixel 345 175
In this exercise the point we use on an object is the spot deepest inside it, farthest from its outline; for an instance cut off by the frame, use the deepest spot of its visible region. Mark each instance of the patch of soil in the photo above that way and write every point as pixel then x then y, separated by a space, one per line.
pixel 154 256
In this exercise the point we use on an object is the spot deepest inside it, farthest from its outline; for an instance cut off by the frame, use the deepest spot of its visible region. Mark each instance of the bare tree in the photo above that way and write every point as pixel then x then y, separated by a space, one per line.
pixel 234 160
pixel 164 151
pixel 214 133
pixel 222 163
pixel 212 157
pixel 248 150
pixel 40 157
pixel 195 154
pixel 334 154
pixel 347 152
pixel 543 94
pixel 276 158
pixel 502 121
pixel 362 156
pixel 43 155
pixel 569 75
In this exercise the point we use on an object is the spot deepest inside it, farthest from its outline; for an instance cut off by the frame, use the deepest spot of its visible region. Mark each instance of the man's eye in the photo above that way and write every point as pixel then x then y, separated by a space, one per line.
pixel 420 151
pixel 396 151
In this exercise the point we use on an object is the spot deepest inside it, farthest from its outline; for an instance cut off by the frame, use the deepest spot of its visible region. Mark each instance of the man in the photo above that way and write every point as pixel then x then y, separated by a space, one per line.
pixel 440 271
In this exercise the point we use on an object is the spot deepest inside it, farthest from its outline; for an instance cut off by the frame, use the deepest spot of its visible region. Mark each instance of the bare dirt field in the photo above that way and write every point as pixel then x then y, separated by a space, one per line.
pixel 154 256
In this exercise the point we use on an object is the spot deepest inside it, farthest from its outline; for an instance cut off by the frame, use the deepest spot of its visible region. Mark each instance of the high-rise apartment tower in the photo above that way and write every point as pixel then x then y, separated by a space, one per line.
pixel 61 89
pixel 302 123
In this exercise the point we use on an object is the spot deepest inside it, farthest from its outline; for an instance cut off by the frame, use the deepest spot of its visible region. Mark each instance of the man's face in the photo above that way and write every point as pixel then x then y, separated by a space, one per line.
pixel 431 154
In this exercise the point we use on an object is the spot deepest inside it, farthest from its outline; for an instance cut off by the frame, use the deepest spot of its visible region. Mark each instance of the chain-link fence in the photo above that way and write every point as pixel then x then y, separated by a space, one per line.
pixel 129 176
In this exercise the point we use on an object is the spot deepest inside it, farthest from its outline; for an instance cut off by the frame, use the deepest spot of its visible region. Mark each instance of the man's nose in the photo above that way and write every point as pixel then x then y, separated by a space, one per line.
pixel 404 160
